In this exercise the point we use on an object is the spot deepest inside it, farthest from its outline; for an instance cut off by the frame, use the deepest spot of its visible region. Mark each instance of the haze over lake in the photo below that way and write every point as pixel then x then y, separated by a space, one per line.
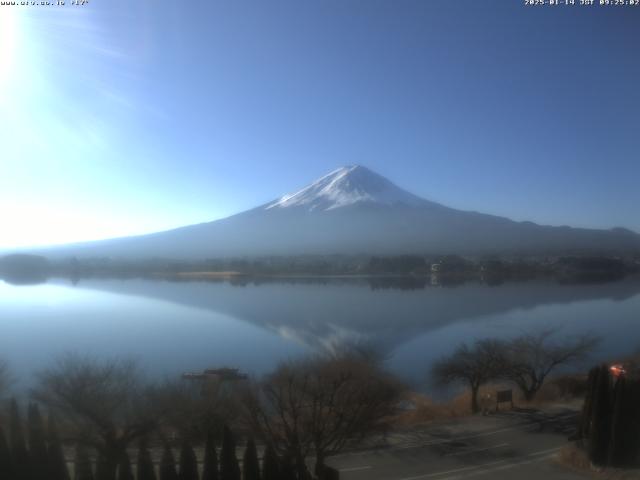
pixel 175 327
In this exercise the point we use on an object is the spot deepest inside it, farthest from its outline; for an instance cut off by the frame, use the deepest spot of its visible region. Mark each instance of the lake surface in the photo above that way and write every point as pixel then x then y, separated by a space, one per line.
pixel 174 327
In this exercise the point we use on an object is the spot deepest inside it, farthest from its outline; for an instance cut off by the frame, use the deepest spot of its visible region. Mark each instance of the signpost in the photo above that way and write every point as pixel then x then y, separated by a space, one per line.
pixel 503 396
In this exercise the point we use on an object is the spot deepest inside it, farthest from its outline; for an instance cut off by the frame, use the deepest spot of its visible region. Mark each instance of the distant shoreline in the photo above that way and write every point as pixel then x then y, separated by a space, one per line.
pixel 198 275
pixel 409 270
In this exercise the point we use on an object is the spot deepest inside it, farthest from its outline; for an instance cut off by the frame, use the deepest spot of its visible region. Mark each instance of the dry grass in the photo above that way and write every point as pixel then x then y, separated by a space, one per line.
pixel 427 410
pixel 575 458
pixel 561 390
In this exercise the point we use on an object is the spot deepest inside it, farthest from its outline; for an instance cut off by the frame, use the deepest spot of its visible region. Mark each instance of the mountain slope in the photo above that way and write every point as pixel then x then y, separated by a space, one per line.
pixel 353 210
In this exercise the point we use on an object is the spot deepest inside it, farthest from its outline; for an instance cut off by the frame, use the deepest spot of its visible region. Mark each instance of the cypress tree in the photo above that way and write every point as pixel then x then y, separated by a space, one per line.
pixel 270 470
pixel 625 424
pixel 37 444
pixel 145 470
pixel 287 472
pixel 250 465
pixel 616 443
pixel 229 468
pixel 124 467
pixel 586 415
pixel 633 425
pixel 168 465
pixel 82 464
pixel 5 457
pixel 19 452
pixel 188 462
pixel 55 454
pixel 600 432
pixel 103 470
pixel 210 468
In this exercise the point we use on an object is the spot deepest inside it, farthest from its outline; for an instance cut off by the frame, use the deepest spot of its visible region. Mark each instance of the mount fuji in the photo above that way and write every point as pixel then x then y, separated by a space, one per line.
pixel 353 210
pixel 348 186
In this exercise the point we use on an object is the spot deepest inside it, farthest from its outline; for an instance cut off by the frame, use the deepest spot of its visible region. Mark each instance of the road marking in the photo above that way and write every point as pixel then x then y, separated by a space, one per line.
pixel 355 469
pixel 476 450
pixel 498 468
pixel 519 426
pixel 454 439
pixel 497 463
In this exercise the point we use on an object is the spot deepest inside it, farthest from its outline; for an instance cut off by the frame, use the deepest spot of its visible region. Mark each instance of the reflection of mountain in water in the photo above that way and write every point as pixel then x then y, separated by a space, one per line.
pixel 332 313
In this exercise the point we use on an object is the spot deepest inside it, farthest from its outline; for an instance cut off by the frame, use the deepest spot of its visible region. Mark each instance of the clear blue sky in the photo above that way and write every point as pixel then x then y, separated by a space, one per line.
pixel 124 117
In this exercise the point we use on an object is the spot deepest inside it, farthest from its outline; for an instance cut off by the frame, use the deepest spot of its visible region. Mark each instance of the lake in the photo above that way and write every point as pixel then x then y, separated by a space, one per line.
pixel 175 327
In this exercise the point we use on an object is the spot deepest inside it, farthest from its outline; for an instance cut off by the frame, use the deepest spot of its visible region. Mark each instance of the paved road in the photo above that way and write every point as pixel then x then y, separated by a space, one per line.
pixel 512 445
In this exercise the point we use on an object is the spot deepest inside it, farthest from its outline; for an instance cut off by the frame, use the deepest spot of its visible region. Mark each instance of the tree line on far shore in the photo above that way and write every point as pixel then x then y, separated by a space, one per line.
pixel 27 268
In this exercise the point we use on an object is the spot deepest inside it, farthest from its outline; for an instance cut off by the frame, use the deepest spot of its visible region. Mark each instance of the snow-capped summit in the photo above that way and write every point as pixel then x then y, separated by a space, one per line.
pixel 345 186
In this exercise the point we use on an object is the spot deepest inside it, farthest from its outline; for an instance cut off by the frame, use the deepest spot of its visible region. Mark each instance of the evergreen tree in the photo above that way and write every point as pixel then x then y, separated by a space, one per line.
pixel 250 465
pixel 19 452
pixel 37 444
pixel 632 438
pixel 168 465
pixel 616 443
pixel 5 457
pixel 124 468
pixel 287 471
pixel 145 470
pixel 229 468
pixel 188 462
pixel 103 470
pixel 600 432
pixel 82 464
pixel 210 468
pixel 586 415
pixel 624 450
pixel 55 454
pixel 270 470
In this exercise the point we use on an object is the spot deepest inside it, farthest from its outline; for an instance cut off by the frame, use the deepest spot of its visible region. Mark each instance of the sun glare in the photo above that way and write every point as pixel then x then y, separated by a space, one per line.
pixel 29 225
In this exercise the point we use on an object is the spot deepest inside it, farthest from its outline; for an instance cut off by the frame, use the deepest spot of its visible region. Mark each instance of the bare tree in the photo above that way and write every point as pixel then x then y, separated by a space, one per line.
pixel 319 406
pixel 102 401
pixel 532 357
pixel 474 365
pixel 196 408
